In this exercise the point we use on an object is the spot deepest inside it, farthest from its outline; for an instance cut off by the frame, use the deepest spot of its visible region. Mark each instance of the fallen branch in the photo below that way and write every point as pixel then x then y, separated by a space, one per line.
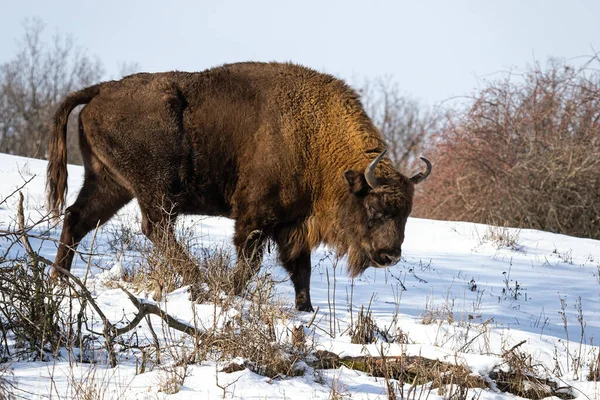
pixel 146 308
pixel 414 369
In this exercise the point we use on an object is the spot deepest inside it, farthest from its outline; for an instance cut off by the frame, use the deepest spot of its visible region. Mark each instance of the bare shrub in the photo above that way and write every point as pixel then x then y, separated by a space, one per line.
pixel 29 308
pixel 217 280
pixel 162 266
pixel 524 152
pixel 158 271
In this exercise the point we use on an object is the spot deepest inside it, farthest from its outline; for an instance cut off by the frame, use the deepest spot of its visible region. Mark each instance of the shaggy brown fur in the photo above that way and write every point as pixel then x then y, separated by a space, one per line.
pixel 280 148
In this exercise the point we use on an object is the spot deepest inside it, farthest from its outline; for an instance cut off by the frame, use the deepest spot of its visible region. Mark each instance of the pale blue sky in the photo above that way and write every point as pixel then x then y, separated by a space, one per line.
pixel 433 49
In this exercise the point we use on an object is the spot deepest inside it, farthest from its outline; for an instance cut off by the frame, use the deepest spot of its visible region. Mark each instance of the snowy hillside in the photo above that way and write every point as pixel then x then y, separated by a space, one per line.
pixel 464 294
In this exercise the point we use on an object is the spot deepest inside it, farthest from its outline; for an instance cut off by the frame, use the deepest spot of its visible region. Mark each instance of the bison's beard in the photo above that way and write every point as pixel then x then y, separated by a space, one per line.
pixel 358 262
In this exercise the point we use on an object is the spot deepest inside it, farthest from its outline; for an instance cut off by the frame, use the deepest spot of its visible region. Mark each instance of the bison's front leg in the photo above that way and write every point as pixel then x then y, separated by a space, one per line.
pixel 299 270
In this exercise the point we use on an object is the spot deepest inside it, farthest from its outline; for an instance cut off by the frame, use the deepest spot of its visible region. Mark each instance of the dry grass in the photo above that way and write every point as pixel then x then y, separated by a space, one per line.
pixel 437 314
pixel 502 237
pixel 522 377
pixel 365 329
pixel 259 334
pixel 594 369
pixel 338 390
pixel 172 378
pixel 87 386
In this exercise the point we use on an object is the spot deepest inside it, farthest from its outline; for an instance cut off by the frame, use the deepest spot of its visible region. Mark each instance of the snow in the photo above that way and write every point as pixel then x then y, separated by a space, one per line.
pixel 456 296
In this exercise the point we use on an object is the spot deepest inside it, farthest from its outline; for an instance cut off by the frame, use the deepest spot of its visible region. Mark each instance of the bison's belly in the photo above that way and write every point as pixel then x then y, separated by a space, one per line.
pixel 203 199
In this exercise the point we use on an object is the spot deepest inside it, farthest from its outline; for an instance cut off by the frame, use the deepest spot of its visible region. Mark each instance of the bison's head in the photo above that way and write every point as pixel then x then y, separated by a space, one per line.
pixel 374 215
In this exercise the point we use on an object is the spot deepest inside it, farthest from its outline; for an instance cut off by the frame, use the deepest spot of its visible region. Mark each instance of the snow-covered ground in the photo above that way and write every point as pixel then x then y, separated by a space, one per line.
pixel 457 295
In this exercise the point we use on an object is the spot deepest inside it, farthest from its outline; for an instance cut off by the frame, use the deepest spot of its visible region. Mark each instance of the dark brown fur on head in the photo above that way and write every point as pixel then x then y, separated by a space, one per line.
pixel 372 220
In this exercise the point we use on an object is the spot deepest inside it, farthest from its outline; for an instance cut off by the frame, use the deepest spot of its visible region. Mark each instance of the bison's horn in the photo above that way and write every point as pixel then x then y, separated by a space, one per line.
pixel 421 176
pixel 370 171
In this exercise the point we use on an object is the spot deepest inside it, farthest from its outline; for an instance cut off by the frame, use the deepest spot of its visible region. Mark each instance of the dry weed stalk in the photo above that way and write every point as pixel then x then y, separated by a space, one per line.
pixel 365 329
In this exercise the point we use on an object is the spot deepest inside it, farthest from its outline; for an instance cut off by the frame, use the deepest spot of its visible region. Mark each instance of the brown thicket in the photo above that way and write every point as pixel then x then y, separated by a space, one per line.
pixel 524 152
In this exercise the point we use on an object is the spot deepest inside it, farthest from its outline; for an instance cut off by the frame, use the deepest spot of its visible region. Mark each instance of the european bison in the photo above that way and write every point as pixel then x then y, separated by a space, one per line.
pixel 287 152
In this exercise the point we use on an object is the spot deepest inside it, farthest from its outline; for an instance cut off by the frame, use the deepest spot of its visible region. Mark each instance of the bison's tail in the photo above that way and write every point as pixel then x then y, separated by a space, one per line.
pixel 56 184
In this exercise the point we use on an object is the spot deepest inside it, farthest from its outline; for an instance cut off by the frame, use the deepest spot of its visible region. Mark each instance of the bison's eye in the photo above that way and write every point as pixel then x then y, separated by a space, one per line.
pixel 374 217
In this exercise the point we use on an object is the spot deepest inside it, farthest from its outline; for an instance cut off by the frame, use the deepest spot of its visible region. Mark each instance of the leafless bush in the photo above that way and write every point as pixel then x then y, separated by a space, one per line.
pixel 405 123
pixel 29 305
pixel 525 152
pixel 32 84
pixel 217 280
pixel 32 304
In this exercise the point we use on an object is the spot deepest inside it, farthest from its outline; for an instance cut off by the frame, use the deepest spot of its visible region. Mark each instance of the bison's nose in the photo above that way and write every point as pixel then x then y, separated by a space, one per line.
pixel 385 258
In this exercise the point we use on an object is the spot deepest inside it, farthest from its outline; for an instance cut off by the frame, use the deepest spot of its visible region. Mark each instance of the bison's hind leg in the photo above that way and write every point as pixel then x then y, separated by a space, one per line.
pixel 99 199
pixel 158 224
pixel 250 245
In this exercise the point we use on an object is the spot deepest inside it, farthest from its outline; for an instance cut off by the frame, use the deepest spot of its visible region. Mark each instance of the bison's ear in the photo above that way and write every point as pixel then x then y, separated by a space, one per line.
pixel 356 182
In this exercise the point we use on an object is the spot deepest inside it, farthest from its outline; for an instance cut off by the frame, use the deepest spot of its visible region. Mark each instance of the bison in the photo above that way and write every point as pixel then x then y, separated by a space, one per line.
pixel 287 152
